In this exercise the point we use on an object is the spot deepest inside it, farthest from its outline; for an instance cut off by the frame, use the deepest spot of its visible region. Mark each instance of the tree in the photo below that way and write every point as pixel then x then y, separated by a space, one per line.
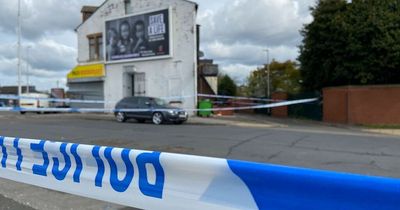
pixel 353 43
pixel 226 86
pixel 284 77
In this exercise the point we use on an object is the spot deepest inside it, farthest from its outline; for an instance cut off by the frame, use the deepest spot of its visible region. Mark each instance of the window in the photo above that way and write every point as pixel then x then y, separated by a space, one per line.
pixel 133 100
pixel 96 47
pixel 128 7
pixel 142 101
pixel 100 47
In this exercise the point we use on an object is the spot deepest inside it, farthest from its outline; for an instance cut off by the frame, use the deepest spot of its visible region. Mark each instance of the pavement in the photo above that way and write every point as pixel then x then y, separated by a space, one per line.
pixel 256 138
pixel 394 132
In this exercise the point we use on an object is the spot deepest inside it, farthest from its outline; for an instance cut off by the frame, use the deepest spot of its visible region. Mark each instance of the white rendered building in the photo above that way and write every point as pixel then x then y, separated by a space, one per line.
pixel 137 48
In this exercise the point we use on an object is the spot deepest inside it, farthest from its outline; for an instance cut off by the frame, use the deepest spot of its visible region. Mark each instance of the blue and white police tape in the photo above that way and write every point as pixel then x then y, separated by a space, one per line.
pixel 67 100
pixel 100 110
pixel 154 180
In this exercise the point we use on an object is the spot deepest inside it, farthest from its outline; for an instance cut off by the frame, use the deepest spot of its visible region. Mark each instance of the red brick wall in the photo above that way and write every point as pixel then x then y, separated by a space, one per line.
pixel 335 105
pixel 280 111
pixel 362 105
pixel 244 103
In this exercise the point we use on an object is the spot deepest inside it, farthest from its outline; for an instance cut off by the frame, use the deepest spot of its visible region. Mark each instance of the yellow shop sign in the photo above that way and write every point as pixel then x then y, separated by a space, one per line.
pixel 87 71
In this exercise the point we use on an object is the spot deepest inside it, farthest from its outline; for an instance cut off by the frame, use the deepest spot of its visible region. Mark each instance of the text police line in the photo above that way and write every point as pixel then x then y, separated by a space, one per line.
pixel 154 190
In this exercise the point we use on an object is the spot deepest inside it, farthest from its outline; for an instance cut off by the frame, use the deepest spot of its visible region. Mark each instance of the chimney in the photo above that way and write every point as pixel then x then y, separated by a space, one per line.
pixel 87 11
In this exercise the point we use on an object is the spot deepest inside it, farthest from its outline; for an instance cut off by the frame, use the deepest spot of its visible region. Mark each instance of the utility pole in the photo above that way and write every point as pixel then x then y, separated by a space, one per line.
pixel 27 68
pixel 268 75
pixel 19 48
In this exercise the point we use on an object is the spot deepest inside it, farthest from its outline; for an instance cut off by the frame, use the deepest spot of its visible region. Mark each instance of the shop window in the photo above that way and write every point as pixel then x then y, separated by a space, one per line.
pixel 96 47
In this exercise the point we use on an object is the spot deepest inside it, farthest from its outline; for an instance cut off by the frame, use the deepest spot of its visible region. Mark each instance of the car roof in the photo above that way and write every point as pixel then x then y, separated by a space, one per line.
pixel 146 97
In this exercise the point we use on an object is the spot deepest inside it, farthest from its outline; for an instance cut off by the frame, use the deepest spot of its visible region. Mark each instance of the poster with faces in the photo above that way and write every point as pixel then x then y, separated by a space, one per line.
pixel 138 36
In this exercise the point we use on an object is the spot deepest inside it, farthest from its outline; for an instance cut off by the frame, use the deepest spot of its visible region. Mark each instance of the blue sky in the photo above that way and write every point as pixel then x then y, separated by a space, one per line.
pixel 234 34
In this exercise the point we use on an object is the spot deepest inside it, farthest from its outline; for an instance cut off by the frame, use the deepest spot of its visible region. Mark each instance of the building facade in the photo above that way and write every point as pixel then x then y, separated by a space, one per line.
pixel 137 48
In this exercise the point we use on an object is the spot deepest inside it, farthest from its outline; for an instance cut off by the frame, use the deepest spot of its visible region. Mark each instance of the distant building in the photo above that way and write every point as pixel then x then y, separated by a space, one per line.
pixel 207 77
pixel 13 90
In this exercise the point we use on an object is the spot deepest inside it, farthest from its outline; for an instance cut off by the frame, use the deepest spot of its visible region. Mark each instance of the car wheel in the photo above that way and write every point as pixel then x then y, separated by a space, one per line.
pixel 157 118
pixel 121 117
pixel 22 113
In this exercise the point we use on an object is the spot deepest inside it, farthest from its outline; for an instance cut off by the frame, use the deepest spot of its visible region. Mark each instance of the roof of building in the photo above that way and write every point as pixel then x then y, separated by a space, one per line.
pixel 14 89
pixel 206 61
pixel 89 9
pixel 95 9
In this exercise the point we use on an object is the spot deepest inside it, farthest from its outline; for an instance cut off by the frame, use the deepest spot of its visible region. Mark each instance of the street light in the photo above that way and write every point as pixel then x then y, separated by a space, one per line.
pixel 27 68
pixel 19 48
pixel 268 75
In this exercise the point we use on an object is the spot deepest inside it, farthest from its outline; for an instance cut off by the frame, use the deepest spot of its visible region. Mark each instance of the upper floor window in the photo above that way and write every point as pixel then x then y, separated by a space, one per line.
pixel 95 47
pixel 128 7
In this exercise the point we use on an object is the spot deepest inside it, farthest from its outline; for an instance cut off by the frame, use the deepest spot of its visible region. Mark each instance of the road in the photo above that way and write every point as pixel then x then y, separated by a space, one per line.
pixel 292 143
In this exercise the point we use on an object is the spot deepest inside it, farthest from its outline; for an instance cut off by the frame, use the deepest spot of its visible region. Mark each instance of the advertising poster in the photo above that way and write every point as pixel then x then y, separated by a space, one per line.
pixel 138 36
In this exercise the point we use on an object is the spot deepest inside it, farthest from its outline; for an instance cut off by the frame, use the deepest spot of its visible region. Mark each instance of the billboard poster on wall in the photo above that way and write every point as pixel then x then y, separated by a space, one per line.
pixel 143 36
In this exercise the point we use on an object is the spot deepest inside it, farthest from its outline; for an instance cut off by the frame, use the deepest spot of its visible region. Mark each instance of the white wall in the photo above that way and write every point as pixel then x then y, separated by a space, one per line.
pixel 164 77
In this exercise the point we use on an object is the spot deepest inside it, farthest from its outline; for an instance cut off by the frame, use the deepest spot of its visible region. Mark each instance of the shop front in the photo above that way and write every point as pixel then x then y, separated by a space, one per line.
pixel 86 82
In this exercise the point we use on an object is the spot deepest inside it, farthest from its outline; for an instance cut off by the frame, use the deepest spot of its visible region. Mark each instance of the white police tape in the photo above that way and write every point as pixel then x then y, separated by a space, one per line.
pixel 67 100
pixel 15 97
pixel 264 106
pixel 154 180
pixel 235 97
pixel 100 110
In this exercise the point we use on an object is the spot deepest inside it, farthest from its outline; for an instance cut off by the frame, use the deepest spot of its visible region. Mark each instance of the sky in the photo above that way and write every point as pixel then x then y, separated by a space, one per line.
pixel 235 33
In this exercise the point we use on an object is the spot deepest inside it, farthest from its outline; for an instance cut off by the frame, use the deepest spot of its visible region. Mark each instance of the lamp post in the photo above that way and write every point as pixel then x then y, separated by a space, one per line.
pixel 19 48
pixel 27 68
pixel 268 75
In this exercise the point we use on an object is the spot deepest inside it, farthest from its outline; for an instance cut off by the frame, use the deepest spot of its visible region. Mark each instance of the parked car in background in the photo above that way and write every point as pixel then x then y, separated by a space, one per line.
pixel 154 109
pixel 2 104
pixel 34 103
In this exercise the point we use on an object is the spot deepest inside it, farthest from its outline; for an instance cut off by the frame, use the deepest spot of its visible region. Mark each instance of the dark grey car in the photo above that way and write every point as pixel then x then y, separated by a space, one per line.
pixel 154 109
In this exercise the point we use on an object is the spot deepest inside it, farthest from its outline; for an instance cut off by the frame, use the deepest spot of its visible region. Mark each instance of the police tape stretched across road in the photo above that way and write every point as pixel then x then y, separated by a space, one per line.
pixel 99 110
pixel 67 100
pixel 154 180
pixel 237 98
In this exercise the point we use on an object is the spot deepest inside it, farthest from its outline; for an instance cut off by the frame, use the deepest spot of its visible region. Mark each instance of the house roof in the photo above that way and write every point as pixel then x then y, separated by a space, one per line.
pixel 95 9
pixel 89 9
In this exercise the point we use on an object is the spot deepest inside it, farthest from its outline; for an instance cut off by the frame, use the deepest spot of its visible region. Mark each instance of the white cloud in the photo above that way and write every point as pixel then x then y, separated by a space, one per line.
pixel 53 56
pixel 47 26
pixel 238 72
pixel 45 54
pixel 234 34
pixel 49 62
pixel 8 66
pixel 261 22
pixel 247 54
pixel 40 17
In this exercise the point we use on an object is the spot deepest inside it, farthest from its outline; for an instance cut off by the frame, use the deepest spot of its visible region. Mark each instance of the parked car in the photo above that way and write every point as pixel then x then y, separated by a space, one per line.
pixel 156 110
pixel 2 104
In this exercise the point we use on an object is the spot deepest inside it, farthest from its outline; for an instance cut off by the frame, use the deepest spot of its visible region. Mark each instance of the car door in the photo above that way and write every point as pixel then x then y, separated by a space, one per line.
pixel 145 105
pixel 132 103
